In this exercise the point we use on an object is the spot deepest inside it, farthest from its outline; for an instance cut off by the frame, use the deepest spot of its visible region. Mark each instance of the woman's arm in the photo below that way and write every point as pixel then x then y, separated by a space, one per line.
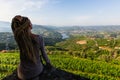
pixel 42 48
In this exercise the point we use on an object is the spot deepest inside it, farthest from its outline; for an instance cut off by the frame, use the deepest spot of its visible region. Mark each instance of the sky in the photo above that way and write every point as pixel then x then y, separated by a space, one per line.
pixel 63 12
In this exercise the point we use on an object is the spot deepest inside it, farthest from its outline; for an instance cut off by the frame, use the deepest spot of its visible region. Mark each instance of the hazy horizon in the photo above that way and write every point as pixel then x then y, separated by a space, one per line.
pixel 63 12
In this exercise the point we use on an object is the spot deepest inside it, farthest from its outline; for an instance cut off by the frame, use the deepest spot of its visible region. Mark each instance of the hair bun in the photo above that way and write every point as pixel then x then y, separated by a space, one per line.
pixel 19 17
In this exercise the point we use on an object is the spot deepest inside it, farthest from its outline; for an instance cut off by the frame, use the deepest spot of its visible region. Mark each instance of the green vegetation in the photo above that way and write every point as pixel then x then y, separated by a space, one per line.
pixel 95 70
pixel 91 54
pixel 107 49
pixel 50 37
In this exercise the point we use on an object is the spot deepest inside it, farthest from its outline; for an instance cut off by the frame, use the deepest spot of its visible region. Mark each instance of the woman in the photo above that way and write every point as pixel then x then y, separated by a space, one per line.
pixel 30 46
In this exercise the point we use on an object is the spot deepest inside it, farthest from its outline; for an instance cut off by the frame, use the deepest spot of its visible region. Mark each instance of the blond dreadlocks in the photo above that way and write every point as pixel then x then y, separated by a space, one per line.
pixel 20 27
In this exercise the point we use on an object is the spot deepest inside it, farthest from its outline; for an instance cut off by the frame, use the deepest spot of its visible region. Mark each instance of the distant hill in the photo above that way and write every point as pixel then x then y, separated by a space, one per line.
pixel 46 31
pixel 6 27
pixel 102 28
pixel 6 36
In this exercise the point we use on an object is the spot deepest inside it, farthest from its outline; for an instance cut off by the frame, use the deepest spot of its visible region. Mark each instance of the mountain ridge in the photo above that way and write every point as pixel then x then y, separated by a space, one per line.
pixel 5 27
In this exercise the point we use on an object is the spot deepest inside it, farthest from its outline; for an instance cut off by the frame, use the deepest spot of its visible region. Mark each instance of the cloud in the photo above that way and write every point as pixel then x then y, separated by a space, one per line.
pixel 32 5
pixel 10 8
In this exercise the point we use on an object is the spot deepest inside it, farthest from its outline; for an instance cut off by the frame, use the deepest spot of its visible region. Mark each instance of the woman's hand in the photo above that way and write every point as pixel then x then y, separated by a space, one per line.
pixel 48 66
